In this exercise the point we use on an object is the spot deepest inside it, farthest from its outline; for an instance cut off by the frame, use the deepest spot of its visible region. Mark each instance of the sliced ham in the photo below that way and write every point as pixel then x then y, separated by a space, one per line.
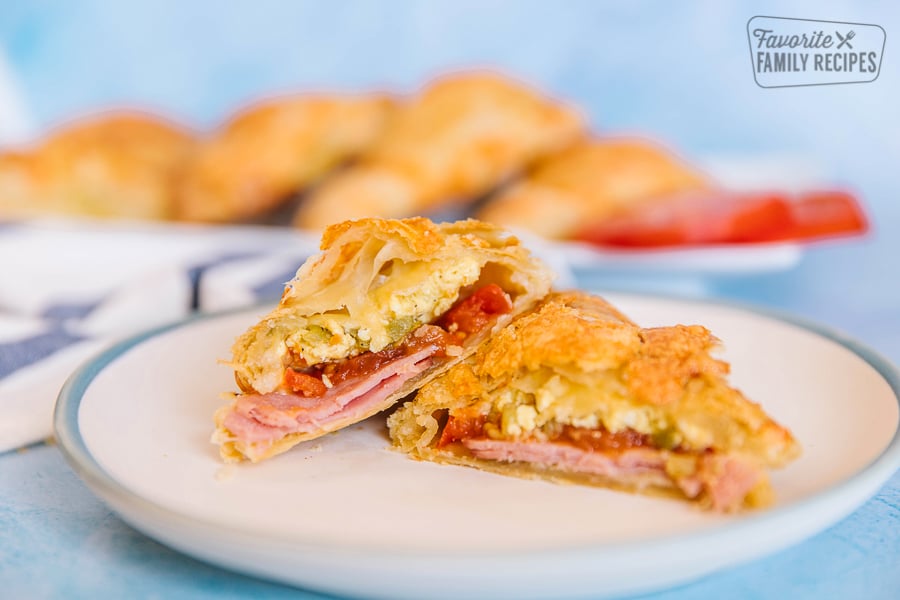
pixel 269 417
pixel 724 480
pixel 627 464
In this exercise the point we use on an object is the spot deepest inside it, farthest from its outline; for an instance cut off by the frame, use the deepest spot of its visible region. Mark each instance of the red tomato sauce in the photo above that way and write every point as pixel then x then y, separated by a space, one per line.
pixel 474 313
pixel 462 426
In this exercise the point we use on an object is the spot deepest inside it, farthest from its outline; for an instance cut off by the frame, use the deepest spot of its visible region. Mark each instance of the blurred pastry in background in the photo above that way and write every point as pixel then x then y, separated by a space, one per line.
pixel 460 138
pixel 113 164
pixel 590 182
pixel 17 185
pixel 266 154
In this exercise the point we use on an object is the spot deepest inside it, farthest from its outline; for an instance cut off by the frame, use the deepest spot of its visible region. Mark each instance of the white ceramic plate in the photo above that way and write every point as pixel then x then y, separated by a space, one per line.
pixel 346 515
pixel 699 260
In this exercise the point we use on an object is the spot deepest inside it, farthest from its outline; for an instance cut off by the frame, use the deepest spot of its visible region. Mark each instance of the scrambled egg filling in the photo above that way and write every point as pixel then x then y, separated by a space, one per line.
pixel 399 300
pixel 537 402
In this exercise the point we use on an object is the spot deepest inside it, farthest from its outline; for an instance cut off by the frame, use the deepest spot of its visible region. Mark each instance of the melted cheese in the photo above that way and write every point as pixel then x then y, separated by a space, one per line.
pixel 414 293
pixel 542 397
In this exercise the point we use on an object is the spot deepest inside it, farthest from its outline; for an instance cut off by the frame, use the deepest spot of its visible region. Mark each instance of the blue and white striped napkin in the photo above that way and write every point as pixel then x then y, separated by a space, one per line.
pixel 67 290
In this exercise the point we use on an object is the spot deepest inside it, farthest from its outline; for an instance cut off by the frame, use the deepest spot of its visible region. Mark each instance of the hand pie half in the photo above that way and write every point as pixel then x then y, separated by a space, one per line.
pixel 575 392
pixel 386 306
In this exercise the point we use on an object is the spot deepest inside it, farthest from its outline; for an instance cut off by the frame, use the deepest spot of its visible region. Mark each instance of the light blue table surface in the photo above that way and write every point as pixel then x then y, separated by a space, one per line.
pixel 681 73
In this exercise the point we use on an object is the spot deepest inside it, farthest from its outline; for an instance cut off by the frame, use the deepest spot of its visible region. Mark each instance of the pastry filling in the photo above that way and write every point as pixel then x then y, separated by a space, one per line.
pixel 311 397
pixel 627 456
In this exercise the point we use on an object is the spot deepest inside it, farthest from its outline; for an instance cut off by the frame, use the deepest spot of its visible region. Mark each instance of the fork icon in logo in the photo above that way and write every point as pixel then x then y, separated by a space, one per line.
pixel 845 39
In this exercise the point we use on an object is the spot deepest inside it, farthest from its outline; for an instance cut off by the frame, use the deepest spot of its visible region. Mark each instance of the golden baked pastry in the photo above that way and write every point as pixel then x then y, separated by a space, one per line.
pixel 460 138
pixel 588 183
pixel 18 196
pixel 111 165
pixel 268 153
pixel 386 306
pixel 575 392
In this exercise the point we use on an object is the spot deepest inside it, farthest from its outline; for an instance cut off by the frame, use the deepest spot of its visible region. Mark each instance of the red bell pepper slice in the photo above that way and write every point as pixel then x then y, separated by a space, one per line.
pixel 731 218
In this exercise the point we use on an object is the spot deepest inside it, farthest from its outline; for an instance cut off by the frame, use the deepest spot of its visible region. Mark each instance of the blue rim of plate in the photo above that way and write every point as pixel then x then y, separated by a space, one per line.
pixel 76 453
